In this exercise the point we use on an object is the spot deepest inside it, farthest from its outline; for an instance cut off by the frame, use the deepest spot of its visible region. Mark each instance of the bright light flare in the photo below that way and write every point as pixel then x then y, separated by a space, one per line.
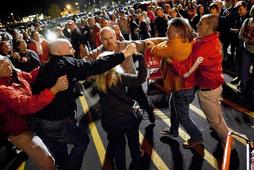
pixel 68 6
pixel 50 36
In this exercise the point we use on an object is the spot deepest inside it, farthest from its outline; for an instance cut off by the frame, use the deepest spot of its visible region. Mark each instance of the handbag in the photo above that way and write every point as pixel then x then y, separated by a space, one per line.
pixel 136 110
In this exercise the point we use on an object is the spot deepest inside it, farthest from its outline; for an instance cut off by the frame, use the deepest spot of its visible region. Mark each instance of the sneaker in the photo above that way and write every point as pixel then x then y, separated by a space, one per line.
pixel 168 132
pixel 191 143
pixel 236 80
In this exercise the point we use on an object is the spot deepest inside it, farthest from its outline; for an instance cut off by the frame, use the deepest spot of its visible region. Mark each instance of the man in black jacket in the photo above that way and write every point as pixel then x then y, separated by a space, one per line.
pixel 55 123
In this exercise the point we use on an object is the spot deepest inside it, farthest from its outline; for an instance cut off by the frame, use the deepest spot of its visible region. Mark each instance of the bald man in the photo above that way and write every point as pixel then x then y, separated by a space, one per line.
pixel 110 43
pixel 55 123
pixel 205 62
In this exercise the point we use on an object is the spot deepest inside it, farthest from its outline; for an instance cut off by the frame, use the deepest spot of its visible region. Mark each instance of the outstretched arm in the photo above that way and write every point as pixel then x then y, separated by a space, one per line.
pixel 26 104
pixel 187 67
pixel 132 80
pixel 142 45
pixel 107 61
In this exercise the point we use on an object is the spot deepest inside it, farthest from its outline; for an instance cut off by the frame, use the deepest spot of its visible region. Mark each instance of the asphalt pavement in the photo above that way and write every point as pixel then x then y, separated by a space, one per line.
pixel 163 152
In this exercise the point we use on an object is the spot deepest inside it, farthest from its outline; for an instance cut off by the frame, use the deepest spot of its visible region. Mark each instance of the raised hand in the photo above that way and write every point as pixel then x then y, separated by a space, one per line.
pixel 15 56
pixel 60 85
pixel 149 44
pixel 130 50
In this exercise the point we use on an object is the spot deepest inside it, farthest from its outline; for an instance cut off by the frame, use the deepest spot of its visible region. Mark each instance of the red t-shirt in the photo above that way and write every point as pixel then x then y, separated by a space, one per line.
pixel 208 73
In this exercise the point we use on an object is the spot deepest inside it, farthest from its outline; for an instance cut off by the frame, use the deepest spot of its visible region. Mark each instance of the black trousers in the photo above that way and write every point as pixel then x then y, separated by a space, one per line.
pixel 57 134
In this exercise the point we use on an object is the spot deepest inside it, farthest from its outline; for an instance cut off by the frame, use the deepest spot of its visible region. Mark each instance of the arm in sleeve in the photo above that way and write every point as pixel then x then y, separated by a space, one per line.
pixel 132 80
pixel 25 104
pixel 93 54
pixel 31 77
pixel 92 67
pixel 140 45
pixel 34 59
pixel 165 49
pixel 187 67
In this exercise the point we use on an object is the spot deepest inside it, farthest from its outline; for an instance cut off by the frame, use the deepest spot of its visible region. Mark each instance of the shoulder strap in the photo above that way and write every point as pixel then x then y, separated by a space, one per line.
pixel 247 23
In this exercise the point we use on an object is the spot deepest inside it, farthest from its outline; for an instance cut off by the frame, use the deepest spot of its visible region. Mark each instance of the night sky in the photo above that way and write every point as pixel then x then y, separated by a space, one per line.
pixel 25 7
pixel 21 8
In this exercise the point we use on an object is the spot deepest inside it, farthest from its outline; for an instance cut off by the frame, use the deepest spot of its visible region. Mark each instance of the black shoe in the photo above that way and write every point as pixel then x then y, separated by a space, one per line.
pixel 236 80
pixel 191 143
pixel 169 133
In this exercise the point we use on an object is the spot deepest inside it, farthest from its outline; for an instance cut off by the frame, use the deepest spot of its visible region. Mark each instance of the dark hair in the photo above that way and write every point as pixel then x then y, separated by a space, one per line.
pixel 240 3
pixel 33 32
pixel 213 6
pixel 19 41
pixel 3 42
pixel 198 8
pixel 158 8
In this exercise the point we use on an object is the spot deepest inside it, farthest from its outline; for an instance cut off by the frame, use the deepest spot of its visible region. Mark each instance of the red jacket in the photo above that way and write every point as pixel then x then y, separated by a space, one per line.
pixel 17 102
pixel 45 48
pixel 151 16
pixel 206 60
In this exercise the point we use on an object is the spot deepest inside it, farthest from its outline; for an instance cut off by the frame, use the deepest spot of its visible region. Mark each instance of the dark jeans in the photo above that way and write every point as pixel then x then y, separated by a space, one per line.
pixel 57 134
pixel 247 61
pixel 180 102
pixel 117 144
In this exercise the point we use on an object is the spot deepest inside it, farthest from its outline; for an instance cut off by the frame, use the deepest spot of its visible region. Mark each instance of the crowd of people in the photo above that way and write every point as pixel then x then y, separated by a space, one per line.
pixel 39 79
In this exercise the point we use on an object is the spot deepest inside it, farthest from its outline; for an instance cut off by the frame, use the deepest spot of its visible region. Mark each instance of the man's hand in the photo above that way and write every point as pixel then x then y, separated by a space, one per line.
pixel 15 56
pixel 149 44
pixel 83 51
pixel 23 60
pixel 60 85
pixel 130 50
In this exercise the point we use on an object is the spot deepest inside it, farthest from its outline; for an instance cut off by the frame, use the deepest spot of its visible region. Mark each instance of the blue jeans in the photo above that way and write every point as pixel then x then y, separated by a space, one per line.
pixel 180 102
pixel 247 61
pixel 57 134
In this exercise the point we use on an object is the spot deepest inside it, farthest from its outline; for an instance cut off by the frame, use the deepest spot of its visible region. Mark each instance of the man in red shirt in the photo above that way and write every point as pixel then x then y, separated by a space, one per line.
pixel 205 62
pixel 17 102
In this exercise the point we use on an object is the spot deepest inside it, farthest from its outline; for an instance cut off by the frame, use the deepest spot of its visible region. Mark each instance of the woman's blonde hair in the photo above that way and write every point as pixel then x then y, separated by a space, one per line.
pixel 108 79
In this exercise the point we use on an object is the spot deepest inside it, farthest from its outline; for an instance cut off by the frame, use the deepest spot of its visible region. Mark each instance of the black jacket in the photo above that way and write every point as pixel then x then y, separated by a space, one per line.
pixel 111 105
pixel 64 104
